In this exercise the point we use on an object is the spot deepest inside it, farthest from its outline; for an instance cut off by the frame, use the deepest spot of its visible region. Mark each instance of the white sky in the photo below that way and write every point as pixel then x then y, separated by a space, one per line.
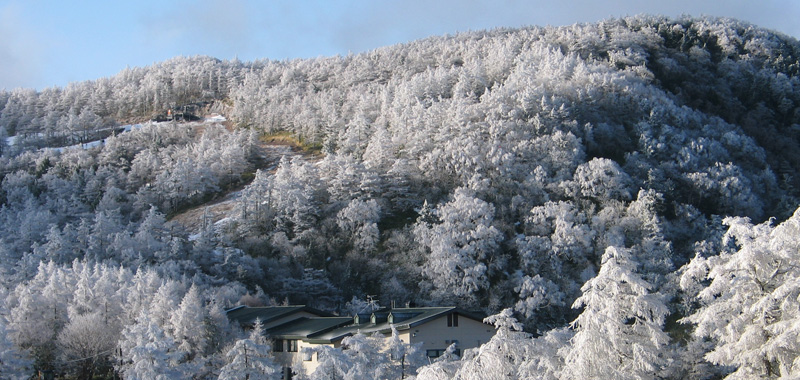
pixel 51 43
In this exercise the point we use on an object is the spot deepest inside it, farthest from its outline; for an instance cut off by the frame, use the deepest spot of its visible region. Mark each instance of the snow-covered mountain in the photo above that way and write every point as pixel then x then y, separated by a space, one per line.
pixel 587 183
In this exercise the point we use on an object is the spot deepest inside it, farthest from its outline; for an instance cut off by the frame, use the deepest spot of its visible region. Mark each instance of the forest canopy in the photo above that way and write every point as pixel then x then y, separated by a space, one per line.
pixel 630 181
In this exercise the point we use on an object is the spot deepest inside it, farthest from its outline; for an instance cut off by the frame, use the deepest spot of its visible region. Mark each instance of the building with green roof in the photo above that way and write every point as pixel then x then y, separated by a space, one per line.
pixel 295 328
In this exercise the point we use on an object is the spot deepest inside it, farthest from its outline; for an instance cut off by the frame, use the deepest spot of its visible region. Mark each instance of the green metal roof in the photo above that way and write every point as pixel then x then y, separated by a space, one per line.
pixel 304 327
pixel 246 315
pixel 412 317
pixel 328 329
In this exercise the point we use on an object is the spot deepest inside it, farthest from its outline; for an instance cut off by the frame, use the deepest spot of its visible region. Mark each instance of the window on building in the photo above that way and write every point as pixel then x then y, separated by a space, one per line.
pixel 433 354
pixel 452 320
pixel 277 345
pixel 291 345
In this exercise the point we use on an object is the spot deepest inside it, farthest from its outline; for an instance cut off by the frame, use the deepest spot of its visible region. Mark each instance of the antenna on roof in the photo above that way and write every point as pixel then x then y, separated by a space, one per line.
pixel 372 304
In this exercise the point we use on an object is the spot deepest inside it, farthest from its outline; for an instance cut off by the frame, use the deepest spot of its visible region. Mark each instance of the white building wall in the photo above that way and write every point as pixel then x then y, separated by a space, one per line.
pixel 436 335
pixel 309 362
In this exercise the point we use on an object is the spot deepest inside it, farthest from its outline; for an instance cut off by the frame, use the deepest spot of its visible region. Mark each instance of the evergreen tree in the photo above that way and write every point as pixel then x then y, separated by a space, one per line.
pixel 461 248
pixel 750 308
pixel 147 353
pixel 14 364
pixel 250 358
pixel 187 324
pixel 619 334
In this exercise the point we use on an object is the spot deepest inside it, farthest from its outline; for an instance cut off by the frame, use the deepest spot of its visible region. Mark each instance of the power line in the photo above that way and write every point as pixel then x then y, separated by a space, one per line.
pixel 90 357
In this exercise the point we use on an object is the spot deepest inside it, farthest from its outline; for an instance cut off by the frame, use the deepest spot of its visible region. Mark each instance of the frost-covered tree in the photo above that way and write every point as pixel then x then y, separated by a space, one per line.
pixel 293 196
pixel 187 324
pixel 602 180
pixel 359 220
pixel 3 140
pixel 749 307
pixel 549 131
pixel 461 248
pixel 367 357
pixel 333 363
pixel 106 225
pixel 250 358
pixel 60 245
pixel 147 353
pixel 39 312
pixel 619 334
pixel 538 298
pixel 87 342
pixel 502 356
pixel 14 363
pixel 558 246
pixel 404 358
pixel 152 236
pixel 510 354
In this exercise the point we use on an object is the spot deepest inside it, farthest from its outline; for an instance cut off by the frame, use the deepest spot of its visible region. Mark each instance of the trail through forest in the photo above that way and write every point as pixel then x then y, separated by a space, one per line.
pixel 221 206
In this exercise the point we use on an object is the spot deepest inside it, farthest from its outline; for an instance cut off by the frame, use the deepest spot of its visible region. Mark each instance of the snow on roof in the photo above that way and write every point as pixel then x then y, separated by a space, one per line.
pixel 330 329
pixel 215 118
pixel 247 315
pixel 302 328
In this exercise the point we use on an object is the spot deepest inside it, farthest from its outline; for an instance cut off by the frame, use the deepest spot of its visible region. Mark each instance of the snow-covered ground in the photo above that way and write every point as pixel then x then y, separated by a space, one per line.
pixel 129 127
pixel 215 118
pixel 96 143
pixel 11 140
pixel 88 145
pixel 217 212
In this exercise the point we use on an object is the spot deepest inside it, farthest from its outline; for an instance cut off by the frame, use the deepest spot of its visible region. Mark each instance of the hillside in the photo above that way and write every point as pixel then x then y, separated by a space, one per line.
pixel 588 181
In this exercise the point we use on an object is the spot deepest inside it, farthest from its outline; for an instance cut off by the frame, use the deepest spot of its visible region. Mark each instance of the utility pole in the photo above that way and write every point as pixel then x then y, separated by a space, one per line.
pixel 247 375
pixel 403 366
